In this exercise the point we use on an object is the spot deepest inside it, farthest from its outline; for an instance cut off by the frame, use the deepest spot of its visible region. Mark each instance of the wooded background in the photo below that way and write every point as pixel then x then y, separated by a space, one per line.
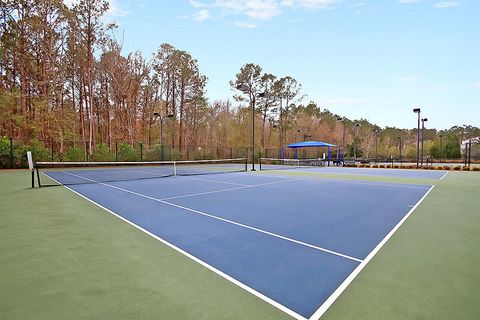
pixel 67 86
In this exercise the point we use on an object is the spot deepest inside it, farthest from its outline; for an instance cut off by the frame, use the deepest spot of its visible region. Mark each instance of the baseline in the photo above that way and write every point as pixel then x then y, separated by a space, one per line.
pixel 330 300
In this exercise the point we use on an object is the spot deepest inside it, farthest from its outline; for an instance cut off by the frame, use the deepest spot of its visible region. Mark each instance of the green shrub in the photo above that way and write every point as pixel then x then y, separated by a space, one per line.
pixel 476 169
pixel 39 153
pixel 5 153
pixel 126 152
pixel 102 153
pixel 155 153
pixel 176 155
pixel 198 155
pixel 457 168
pixel 74 154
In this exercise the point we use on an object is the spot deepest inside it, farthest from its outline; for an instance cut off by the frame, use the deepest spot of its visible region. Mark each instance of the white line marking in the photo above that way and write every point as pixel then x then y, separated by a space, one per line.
pixel 208 180
pixel 444 175
pixel 203 193
pixel 226 190
pixel 324 307
pixel 375 184
pixel 188 255
pixel 225 220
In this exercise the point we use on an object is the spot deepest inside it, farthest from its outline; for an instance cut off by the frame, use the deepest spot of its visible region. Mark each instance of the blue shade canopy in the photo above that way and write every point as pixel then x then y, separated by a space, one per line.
pixel 310 144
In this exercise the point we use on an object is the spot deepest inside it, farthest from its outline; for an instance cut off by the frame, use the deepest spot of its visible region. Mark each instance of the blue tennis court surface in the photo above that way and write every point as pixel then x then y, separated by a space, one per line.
pixel 291 241
pixel 399 173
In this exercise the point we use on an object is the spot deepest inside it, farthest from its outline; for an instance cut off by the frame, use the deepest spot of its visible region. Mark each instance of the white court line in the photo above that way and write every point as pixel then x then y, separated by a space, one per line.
pixel 324 307
pixel 200 179
pixel 224 220
pixel 188 255
pixel 227 190
pixel 359 182
pixel 444 175
pixel 208 180
pixel 374 184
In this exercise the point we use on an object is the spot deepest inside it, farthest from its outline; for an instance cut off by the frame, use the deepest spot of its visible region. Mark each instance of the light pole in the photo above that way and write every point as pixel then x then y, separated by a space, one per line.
pixel 400 147
pixel 158 115
pixel 247 90
pixel 355 141
pixel 423 134
pixel 417 110
pixel 343 141
pixel 376 145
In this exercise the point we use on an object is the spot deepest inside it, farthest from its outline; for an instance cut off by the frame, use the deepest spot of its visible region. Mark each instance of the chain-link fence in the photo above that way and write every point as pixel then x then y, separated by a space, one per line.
pixel 13 152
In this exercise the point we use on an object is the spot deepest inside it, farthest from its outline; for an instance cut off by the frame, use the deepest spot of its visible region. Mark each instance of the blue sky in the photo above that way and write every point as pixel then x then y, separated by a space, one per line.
pixel 372 59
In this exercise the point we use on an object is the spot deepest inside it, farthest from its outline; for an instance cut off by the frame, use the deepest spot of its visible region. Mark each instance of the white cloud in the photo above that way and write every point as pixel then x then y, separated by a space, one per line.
pixel 476 84
pixel 114 10
pixel 446 4
pixel 254 9
pixel 197 4
pixel 357 4
pixel 317 4
pixel 245 25
pixel 202 15
pixel 286 3
pixel 258 9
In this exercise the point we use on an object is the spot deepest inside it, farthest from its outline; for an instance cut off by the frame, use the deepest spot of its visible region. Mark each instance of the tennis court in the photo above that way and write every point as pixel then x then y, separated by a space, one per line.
pixel 295 243
pixel 309 165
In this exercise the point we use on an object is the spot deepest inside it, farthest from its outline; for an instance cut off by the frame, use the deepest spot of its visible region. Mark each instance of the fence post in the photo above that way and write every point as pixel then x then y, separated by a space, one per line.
pixel 11 152
pixel 141 151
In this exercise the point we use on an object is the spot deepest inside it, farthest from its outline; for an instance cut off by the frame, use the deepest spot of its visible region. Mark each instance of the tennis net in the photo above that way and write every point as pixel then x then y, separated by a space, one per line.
pixel 73 173
pixel 281 164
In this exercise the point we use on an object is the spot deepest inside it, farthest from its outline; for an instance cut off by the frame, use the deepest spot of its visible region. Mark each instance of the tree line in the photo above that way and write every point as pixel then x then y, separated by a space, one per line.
pixel 64 75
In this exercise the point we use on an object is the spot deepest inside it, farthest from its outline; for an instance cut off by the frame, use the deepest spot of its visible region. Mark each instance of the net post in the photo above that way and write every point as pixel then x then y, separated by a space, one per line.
pixel 141 151
pixel 31 167
pixel 260 163
pixel 38 178
pixel 174 168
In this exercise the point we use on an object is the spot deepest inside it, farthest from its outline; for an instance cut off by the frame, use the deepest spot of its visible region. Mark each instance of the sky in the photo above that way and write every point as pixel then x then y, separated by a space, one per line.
pixel 370 59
